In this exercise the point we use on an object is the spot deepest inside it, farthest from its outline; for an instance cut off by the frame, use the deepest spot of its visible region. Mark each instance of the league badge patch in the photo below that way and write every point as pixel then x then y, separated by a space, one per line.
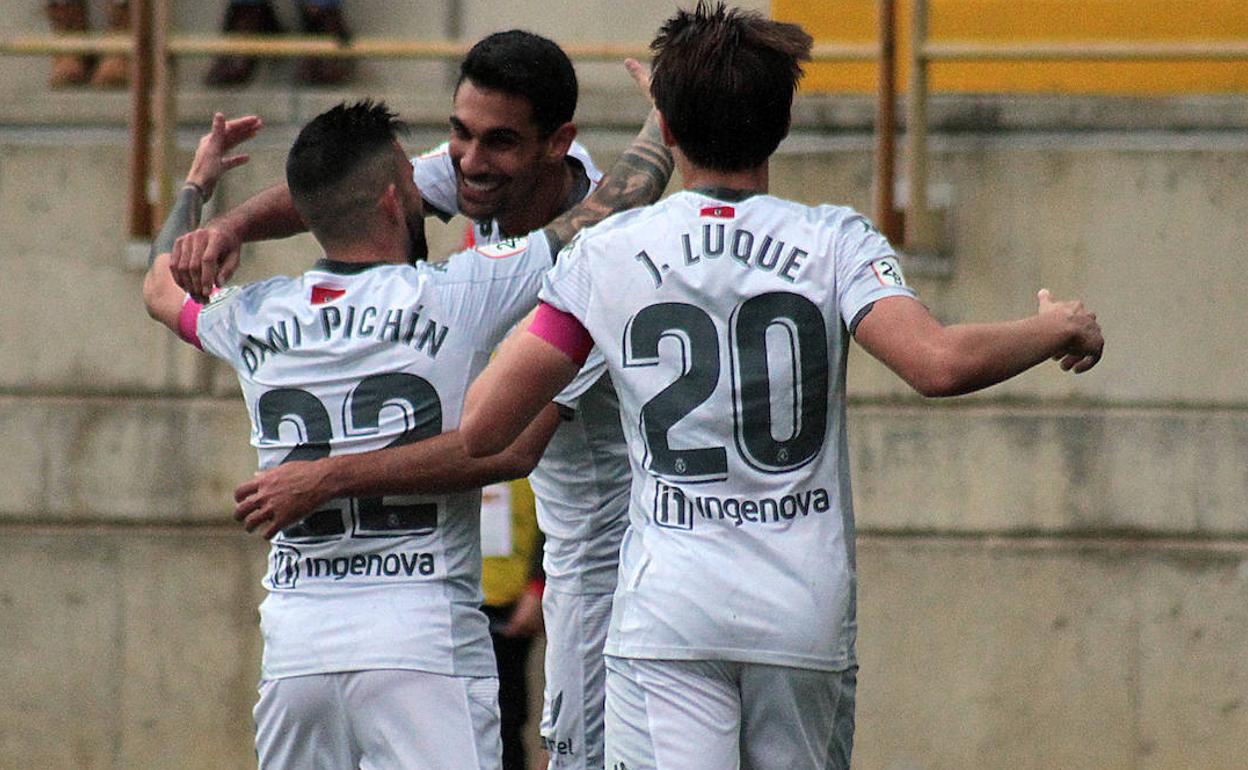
pixel 888 271
pixel 505 248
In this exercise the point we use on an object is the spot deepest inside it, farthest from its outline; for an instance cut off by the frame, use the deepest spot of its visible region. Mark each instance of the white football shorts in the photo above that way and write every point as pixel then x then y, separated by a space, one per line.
pixel 725 715
pixel 572 712
pixel 378 720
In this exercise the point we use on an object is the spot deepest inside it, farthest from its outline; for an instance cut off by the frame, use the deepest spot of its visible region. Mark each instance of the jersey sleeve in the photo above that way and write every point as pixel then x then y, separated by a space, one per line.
pixel 567 286
pixel 867 268
pixel 594 367
pixel 215 325
pixel 492 287
pixel 434 175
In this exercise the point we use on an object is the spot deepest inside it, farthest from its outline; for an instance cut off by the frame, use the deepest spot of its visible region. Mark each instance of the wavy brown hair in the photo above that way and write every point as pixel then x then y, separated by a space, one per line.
pixel 724 80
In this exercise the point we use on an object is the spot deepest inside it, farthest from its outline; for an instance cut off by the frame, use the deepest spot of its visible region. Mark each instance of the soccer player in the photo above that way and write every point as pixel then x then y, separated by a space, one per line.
pixel 511 165
pixel 376 650
pixel 724 315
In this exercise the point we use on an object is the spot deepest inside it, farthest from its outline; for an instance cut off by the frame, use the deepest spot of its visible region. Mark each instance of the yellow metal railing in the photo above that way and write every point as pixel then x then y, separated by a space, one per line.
pixel 155 49
pixel 920 236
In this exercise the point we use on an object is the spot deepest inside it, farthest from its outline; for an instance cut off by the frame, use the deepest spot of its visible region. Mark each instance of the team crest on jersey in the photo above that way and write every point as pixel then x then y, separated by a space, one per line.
pixel 888 272
pixel 508 247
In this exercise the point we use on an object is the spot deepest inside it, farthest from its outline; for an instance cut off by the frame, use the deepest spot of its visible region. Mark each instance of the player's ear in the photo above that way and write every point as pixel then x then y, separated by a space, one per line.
pixel 560 141
pixel 668 138
pixel 391 204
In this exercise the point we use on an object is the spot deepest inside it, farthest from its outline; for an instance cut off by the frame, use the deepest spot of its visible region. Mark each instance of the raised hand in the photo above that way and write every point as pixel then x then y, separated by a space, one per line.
pixel 641 76
pixel 202 259
pixel 210 160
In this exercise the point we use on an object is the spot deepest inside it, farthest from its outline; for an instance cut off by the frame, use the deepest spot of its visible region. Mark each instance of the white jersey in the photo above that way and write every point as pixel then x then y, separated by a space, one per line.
pixel 435 177
pixel 581 484
pixel 725 327
pixel 350 358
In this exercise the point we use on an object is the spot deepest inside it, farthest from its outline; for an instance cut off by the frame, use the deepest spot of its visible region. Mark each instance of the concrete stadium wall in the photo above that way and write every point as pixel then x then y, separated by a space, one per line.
pixel 1054 573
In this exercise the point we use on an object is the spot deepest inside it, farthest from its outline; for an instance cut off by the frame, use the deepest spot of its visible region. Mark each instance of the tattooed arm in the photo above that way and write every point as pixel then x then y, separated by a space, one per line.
pixel 638 178
pixel 161 295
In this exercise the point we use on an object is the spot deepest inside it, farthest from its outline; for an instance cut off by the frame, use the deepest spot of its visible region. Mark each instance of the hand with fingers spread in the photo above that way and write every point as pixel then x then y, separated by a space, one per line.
pixel 1086 340
pixel 211 161
pixel 204 258
pixel 274 499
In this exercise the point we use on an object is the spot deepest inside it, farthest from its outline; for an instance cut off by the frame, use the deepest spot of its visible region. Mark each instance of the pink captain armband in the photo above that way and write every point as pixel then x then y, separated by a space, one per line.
pixel 563 331
pixel 188 322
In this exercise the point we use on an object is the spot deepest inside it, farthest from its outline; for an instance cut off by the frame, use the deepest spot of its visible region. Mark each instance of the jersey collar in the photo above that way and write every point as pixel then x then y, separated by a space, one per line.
pixel 726 194
pixel 346 268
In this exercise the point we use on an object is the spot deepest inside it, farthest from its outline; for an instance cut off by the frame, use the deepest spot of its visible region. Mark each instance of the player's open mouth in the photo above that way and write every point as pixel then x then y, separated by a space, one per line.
pixel 479 188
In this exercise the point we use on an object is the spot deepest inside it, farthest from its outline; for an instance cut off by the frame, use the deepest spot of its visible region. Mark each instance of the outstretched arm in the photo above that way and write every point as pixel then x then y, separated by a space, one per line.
pixel 162 296
pixel 279 497
pixel 939 360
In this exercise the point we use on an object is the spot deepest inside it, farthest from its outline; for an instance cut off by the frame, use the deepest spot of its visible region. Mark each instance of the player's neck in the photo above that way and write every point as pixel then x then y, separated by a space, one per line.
pixel 694 177
pixel 551 197
pixel 366 252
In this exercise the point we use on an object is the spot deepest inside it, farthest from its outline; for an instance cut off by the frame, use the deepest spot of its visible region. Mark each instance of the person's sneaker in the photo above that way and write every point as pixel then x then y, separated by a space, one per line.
pixel 324 71
pixel 68 69
pixel 113 71
pixel 246 19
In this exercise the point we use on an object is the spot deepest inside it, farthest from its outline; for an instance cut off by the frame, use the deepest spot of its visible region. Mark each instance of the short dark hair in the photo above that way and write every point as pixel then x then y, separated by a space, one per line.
pixel 340 164
pixel 523 64
pixel 724 81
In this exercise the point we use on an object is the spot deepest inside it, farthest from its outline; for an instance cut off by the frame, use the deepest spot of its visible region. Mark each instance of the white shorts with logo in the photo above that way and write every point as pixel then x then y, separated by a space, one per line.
pixel 572 713
pixel 724 715
pixel 378 720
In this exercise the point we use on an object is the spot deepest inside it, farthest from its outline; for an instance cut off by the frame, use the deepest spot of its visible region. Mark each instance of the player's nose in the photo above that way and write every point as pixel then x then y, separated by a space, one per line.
pixel 472 161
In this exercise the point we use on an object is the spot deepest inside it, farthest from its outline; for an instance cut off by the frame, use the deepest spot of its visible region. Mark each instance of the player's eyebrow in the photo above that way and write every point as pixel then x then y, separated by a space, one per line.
pixel 493 134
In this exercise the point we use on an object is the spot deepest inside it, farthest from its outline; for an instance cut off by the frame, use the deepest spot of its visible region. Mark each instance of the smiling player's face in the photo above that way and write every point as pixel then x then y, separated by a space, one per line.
pixel 497 151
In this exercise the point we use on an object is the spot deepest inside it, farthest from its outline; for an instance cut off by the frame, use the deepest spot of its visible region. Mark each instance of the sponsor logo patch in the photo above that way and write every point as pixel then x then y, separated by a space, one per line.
pixel 285 566
pixel 671 509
